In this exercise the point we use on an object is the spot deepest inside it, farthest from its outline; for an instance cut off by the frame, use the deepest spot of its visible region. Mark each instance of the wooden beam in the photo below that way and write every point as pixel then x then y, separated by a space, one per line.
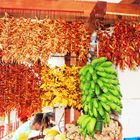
pixel 127 1
pixel 123 9
pixel 73 6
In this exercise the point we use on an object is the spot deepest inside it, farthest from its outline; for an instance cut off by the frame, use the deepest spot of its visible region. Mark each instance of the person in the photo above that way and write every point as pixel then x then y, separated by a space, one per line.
pixel 40 121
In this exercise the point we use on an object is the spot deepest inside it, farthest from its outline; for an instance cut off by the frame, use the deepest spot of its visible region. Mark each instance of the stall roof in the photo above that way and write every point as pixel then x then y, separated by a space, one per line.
pixel 69 8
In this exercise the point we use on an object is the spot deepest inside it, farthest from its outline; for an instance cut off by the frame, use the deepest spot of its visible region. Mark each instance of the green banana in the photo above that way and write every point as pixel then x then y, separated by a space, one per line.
pixel 97 90
pixel 86 92
pixel 87 86
pixel 81 118
pixel 94 77
pixel 110 70
pixel 119 110
pixel 109 85
pixel 100 110
pixel 91 93
pixel 103 99
pixel 106 107
pixel 112 105
pixel 114 99
pixel 83 80
pixel 85 122
pixel 84 70
pixel 107 117
pixel 120 104
pixel 84 133
pixel 114 92
pixel 88 76
pixel 91 125
pixel 102 74
pixel 91 134
pixel 114 88
pixel 91 113
pixel 90 106
pixel 111 76
pixel 118 88
pixel 84 98
pixel 100 83
pixel 81 86
pixel 81 131
pixel 114 82
pixel 94 62
pixel 107 96
pixel 81 70
pixel 95 112
pixel 106 64
pixel 105 89
pixel 101 60
pixel 106 80
pixel 86 109
pixel 92 85
pixel 81 77
pixel 89 98
pixel 95 103
pixel 91 70
pixel 99 68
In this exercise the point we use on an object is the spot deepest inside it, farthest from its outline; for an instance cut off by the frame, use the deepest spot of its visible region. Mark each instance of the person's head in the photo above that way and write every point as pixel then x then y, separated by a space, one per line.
pixel 41 120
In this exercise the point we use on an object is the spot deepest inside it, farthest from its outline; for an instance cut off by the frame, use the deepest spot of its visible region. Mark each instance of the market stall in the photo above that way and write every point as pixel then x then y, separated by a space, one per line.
pixel 91 41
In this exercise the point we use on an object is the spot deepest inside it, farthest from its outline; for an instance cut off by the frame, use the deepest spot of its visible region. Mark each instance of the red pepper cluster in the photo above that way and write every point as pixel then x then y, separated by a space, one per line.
pixel 123 46
pixel 19 89
pixel 26 40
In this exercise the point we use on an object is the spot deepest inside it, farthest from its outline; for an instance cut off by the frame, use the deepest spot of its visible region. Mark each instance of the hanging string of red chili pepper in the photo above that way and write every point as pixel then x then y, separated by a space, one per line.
pixel 25 40
pixel 19 89
pixel 123 46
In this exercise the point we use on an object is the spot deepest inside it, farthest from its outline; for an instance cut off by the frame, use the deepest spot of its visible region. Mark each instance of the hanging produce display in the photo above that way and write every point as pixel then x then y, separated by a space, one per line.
pixel 60 86
pixel 100 95
pixel 122 47
pixel 26 40
pixel 19 89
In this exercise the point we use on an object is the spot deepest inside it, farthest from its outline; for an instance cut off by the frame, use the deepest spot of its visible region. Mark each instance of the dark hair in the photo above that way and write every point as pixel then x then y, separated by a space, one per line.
pixel 42 118
pixel 46 118
pixel 38 118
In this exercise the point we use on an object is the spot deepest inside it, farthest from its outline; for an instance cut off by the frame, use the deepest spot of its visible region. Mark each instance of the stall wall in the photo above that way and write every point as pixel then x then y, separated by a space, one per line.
pixel 56 61
pixel 130 87
pixel 130 83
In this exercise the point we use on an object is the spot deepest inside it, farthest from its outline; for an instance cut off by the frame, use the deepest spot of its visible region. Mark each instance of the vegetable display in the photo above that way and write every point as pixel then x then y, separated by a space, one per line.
pixel 122 47
pixel 26 40
pixel 60 86
pixel 111 131
pixel 100 95
pixel 19 89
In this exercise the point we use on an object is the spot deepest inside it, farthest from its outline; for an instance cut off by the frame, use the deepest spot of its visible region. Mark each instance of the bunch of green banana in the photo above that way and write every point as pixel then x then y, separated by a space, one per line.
pixel 100 92
pixel 87 125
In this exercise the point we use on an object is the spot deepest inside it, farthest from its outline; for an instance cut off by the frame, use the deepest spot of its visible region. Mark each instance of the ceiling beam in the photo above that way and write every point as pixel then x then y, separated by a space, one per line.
pixel 127 1
pixel 73 6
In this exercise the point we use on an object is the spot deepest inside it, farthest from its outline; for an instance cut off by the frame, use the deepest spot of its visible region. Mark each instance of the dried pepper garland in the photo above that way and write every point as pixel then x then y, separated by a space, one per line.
pixel 19 88
pixel 25 40
pixel 123 46
pixel 60 86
